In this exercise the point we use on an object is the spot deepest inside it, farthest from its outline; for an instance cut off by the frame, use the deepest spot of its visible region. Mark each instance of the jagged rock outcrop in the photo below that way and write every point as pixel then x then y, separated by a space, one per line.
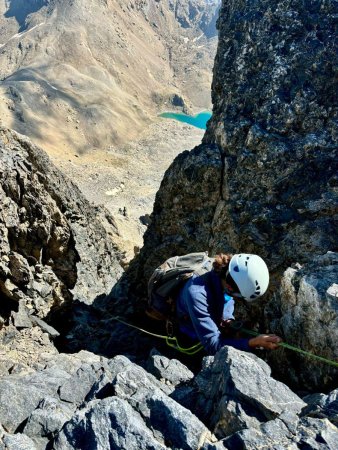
pixel 236 392
pixel 265 179
pixel 87 401
pixel 55 247
pixel 305 311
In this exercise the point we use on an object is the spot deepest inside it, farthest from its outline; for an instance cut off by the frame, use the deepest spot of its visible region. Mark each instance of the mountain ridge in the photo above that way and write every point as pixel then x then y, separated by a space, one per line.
pixel 78 76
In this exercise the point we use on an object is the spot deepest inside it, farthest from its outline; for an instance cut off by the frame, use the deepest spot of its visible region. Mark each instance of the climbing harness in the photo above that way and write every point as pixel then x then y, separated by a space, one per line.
pixel 173 343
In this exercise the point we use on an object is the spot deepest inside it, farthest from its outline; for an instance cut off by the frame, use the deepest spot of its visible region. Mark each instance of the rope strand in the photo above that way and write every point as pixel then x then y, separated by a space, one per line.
pixel 296 349
pixel 170 341
pixel 173 343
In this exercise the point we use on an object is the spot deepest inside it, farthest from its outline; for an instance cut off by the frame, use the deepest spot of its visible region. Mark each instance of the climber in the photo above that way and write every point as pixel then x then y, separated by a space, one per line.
pixel 205 304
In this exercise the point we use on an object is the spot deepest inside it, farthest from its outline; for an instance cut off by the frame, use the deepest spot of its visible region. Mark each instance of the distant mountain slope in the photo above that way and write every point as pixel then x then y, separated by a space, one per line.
pixel 85 74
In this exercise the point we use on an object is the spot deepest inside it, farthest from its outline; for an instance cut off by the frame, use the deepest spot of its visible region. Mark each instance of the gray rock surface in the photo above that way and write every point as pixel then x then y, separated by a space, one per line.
pixel 309 433
pixel 323 406
pixel 236 391
pixel 170 423
pixel 16 441
pixel 21 395
pixel 46 421
pixel 67 379
pixel 110 423
pixel 55 247
pixel 24 350
pixel 169 370
pixel 276 127
pixel 67 401
pixel 305 312
pixel 86 401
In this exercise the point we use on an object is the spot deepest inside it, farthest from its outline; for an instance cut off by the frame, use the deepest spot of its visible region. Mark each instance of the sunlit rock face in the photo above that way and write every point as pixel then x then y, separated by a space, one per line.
pixel 55 247
pixel 275 123
pixel 305 311
pixel 265 178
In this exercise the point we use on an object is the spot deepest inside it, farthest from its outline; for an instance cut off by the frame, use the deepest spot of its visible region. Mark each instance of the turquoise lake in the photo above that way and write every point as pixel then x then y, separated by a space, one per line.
pixel 199 121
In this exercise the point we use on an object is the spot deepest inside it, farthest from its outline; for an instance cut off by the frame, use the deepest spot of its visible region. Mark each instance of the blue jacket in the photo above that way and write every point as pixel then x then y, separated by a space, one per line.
pixel 199 309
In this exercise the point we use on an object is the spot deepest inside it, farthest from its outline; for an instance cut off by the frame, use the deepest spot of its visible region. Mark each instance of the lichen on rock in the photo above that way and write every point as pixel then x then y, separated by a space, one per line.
pixel 270 152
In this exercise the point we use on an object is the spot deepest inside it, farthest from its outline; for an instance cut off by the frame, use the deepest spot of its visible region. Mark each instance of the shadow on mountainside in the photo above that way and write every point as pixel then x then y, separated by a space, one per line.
pixel 20 9
pixel 21 91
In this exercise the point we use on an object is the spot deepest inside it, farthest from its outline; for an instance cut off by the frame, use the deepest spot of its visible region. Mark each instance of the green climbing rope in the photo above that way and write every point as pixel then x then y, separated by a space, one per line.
pixel 173 342
pixel 170 341
pixel 296 349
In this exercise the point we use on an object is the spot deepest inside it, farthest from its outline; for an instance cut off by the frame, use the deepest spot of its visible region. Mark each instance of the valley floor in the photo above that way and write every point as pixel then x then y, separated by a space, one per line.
pixel 129 177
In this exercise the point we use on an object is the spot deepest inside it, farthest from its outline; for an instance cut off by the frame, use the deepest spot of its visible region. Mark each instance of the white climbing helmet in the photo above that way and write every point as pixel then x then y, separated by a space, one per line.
pixel 251 275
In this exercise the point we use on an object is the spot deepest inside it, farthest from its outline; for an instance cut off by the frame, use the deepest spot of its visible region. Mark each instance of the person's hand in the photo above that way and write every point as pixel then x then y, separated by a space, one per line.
pixel 268 341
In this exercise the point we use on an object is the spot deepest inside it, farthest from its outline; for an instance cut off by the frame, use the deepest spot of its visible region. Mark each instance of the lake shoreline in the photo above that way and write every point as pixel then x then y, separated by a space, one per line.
pixel 199 120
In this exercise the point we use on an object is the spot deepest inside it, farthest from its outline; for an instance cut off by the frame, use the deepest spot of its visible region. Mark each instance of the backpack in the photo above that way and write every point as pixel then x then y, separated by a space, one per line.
pixel 167 280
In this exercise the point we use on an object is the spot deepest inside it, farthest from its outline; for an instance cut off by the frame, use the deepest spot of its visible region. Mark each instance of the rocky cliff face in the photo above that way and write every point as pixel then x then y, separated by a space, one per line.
pixel 265 179
pixel 55 247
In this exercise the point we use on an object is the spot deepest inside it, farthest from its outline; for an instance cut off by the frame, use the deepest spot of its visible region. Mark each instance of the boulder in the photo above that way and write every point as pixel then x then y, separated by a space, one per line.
pixel 16 441
pixel 305 312
pixel 46 421
pixel 21 395
pixel 61 386
pixel 169 370
pixel 236 391
pixel 322 406
pixel 316 434
pixel 172 424
pixel 109 423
